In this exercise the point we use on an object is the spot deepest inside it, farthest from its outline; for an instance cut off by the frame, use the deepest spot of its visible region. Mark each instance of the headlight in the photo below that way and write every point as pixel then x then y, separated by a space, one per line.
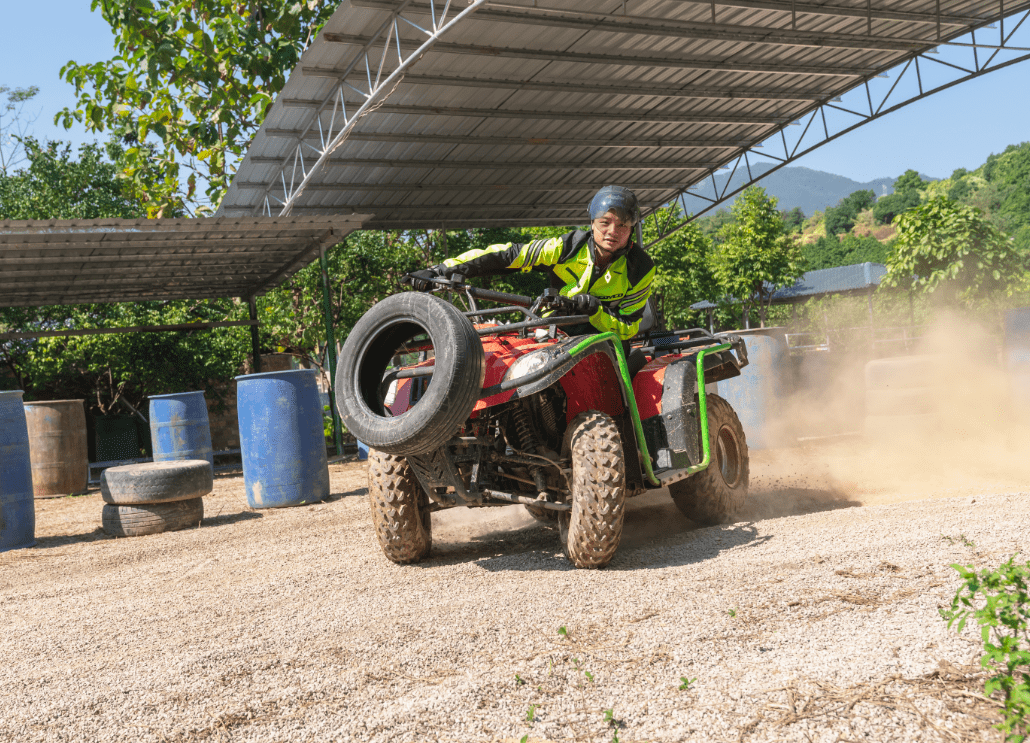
pixel 527 364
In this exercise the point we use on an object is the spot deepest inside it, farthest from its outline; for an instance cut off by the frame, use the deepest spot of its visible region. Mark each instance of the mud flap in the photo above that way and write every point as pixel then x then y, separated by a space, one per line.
pixel 673 433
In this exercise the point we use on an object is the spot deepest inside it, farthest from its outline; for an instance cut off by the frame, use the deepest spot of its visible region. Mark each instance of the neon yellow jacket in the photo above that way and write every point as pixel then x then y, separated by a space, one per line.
pixel 623 287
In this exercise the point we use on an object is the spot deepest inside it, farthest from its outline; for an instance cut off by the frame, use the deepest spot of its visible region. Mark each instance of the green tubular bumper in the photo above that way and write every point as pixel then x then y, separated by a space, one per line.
pixel 627 388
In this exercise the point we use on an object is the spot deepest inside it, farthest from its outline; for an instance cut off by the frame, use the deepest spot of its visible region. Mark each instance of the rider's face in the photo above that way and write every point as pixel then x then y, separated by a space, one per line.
pixel 611 234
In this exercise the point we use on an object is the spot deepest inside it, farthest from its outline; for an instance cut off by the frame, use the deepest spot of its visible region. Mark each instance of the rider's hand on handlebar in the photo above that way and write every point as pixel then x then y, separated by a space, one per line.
pixel 422 281
pixel 586 304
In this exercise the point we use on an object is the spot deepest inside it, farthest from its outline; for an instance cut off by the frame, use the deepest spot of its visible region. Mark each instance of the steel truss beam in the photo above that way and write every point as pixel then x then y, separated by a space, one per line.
pixel 838 11
pixel 522 114
pixel 860 104
pixel 667 27
pixel 469 165
pixel 469 187
pixel 680 63
pixel 372 57
pixel 614 142
pixel 614 87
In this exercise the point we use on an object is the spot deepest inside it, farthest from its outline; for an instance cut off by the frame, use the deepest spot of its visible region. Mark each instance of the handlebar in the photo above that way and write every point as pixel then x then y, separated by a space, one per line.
pixel 550 299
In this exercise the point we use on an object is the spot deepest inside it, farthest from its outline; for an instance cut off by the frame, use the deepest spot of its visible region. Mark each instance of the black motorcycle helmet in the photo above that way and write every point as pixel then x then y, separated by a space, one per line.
pixel 616 199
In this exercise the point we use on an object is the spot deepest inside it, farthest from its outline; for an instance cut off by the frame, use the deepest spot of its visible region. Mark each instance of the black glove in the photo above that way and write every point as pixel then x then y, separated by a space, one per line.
pixel 422 281
pixel 586 304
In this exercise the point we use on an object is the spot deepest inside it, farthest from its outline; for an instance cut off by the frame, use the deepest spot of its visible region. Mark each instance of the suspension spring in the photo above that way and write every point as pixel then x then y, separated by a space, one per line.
pixel 524 428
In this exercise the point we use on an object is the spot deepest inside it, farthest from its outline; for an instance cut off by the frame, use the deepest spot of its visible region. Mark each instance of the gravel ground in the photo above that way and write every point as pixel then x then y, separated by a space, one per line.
pixel 813 619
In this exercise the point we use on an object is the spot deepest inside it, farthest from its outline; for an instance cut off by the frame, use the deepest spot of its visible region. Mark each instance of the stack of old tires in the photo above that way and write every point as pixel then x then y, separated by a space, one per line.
pixel 154 497
pixel 902 397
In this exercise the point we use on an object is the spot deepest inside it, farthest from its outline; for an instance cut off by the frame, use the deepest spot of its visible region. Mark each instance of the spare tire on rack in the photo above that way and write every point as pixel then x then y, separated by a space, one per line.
pixel 458 372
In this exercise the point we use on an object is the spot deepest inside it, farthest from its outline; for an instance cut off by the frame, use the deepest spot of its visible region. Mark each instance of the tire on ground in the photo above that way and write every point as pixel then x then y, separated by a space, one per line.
pixel 156 482
pixel 591 531
pixel 716 495
pixel 152 518
pixel 458 373
pixel 903 401
pixel 400 508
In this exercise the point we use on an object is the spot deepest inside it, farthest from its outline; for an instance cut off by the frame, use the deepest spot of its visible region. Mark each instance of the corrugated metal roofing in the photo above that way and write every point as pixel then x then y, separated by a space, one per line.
pixel 124 260
pixel 521 110
pixel 840 280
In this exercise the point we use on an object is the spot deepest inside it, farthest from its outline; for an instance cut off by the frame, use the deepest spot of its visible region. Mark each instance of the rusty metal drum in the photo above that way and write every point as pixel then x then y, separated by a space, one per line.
pixel 57 442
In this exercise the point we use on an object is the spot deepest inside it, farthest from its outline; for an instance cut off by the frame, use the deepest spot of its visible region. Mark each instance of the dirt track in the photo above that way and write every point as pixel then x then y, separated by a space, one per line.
pixel 813 618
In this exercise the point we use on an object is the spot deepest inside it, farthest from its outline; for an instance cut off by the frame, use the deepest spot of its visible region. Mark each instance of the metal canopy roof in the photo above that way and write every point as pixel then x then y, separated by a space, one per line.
pixel 123 260
pixel 425 113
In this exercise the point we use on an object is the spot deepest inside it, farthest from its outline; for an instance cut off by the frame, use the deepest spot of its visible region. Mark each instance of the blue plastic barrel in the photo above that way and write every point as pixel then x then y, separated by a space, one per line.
pixel 281 439
pixel 759 393
pixel 17 505
pixel 179 428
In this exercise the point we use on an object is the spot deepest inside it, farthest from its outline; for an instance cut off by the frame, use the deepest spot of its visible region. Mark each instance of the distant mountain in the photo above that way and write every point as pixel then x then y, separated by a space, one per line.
pixel 812 190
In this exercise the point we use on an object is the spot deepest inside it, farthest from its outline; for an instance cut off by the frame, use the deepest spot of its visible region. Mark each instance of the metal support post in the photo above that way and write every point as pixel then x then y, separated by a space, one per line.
pixel 330 350
pixel 255 338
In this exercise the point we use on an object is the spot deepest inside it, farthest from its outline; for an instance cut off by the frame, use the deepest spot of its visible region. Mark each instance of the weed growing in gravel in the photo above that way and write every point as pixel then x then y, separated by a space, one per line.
pixel 562 631
pixel 519 681
pixel 531 712
pixel 732 613
pixel 1004 618
pixel 966 541
pixel 686 682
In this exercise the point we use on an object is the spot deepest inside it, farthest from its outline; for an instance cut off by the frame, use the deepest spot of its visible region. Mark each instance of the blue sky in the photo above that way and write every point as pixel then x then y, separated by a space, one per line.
pixel 956 128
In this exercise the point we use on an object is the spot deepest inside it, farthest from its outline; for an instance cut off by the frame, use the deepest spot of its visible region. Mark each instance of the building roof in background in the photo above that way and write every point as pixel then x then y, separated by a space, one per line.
pixel 123 260
pixel 429 115
pixel 860 277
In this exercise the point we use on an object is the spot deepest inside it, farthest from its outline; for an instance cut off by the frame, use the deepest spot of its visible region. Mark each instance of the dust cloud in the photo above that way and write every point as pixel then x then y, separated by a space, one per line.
pixel 941 422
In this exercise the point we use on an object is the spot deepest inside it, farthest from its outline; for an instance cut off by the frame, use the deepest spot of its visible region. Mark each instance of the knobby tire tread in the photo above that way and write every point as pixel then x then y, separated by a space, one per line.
pixel 400 508
pixel 591 531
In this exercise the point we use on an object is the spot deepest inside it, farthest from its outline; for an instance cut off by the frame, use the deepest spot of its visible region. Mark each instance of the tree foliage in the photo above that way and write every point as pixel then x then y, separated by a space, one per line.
pixel 841 218
pixel 908 192
pixel 951 249
pixel 844 250
pixel 756 256
pixel 193 77
pixel 683 269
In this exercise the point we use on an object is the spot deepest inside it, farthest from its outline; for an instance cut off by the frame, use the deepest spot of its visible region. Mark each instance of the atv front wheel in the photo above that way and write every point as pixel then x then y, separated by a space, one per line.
pixel 591 531
pixel 400 508
pixel 717 494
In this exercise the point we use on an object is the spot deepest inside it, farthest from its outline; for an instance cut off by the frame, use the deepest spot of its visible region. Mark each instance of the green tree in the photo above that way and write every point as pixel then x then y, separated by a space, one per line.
pixel 793 220
pixel 952 251
pixel 844 250
pixel 193 77
pixel 841 218
pixel 683 269
pixel 756 256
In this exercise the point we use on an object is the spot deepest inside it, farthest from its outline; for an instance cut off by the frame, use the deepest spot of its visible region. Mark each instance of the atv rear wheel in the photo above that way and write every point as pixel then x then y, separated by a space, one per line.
pixel 400 508
pixel 459 367
pixel 591 531
pixel 717 494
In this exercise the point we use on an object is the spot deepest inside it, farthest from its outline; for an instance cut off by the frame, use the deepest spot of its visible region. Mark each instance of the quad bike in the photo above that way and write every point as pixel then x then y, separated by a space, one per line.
pixel 460 409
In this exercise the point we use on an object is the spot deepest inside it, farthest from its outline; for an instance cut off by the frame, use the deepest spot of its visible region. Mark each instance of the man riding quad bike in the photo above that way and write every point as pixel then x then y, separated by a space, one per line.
pixel 460 409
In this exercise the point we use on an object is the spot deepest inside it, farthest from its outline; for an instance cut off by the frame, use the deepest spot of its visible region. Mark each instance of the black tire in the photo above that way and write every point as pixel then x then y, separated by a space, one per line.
pixel 591 531
pixel 400 508
pixel 156 482
pixel 716 495
pixel 448 400
pixel 152 518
